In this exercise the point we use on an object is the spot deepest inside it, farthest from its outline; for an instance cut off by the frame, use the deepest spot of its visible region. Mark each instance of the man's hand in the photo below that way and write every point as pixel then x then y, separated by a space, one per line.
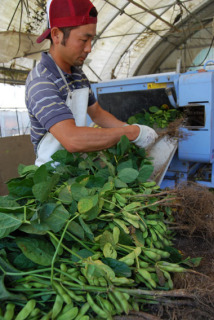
pixel 146 137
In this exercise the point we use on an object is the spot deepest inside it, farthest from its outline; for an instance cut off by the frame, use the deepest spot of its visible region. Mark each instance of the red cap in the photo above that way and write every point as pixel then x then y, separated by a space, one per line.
pixel 67 13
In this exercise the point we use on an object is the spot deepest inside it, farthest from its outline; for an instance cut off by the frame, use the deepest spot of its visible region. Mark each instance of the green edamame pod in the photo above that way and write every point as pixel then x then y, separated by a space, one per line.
pixel 147 276
pixel 153 234
pixel 169 279
pixel 121 299
pixel 83 311
pixel 84 318
pixel 112 204
pixel 47 316
pixel 120 199
pixel 35 313
pixel 100 312
pixel 125 191
pixel 152 255
pixel 135 306
pixel 63 267
pixel 162 253
pixel 114 302
pixel 9 313
pixel 153 216
pixel 26 310
pixel 143 264
pixel 62 292
pixel 132 222
pixel 142 226
pixel 151 222
pixel 106 305
pixel 57 307
pixel 130 215
pixel 122 224
pixel 116 234
pixel 74 296
pixel 70 314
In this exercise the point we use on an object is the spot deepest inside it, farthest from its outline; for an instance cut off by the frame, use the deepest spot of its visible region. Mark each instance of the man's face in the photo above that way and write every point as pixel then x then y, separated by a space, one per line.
pixel 78 45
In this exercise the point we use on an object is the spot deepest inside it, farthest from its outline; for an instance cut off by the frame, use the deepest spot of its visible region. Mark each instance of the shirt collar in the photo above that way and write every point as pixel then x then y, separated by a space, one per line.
pixel 49 63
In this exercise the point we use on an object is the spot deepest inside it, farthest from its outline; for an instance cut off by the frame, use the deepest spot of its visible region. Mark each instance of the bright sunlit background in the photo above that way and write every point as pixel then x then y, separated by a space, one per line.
pixel 14 118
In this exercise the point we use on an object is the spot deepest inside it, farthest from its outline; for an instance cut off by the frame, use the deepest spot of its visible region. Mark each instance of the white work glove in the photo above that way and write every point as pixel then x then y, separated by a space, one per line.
pixel 146 137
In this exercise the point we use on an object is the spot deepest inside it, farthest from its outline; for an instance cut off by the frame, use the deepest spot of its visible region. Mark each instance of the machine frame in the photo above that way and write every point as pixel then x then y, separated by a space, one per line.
pixel 193 91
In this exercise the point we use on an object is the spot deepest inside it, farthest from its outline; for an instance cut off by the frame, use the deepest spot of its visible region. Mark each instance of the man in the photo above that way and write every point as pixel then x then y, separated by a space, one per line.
pixel 58 94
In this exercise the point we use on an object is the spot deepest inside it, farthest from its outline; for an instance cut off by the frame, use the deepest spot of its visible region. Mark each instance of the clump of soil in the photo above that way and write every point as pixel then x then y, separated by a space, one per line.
pixel 172 131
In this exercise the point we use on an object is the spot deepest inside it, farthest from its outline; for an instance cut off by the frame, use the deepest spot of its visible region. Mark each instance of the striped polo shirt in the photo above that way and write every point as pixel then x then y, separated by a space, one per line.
pixel 46 94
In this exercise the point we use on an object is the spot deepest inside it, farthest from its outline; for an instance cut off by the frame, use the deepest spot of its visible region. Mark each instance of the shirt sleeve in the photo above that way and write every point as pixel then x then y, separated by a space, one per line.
pixel 46 104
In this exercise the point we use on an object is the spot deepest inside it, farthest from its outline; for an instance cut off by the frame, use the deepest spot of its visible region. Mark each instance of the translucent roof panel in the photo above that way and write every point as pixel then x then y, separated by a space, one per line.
pixel 133 36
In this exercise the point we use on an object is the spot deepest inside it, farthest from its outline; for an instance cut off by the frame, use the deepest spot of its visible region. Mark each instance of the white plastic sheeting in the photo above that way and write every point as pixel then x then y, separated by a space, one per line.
pixel 126 33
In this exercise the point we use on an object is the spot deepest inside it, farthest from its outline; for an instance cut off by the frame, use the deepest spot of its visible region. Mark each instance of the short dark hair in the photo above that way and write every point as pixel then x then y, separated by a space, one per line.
pixel 66 30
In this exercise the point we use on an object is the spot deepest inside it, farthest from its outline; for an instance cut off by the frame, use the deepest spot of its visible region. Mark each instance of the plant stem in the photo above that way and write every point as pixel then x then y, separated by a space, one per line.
pixel 58 246
pixel 81 242
pixel 156 293
pixel 24 273
pixel 69 276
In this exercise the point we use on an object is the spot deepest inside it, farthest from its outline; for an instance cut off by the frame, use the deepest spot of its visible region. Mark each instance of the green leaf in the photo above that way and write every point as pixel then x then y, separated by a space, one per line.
pixel 109 251
pixel 192 262
pixel 22 262
pixel 40 175
pixel 119 267
pixel 63 156
pixel 7 267
pixel 125 164
pixel 76 229
pixel 119 183
pixel 175 255
pixel 6 295
pixel 86 204
pixel 145 173
pixel 153 109
pixel 92 213
pixel 103 173
pixel 37 249
pixel 108 186
pixel 23 169
pixel 98 269
pixel 20 188
pixel 56 219
pixel 111 168
pixel 123 145
pixel 78 191
pixel 42 190
pixel 87 229
pixel 107 237
pixel 95 182
pixel 9 223
pixel 5 202
pixel 35 228
pixel 65 195
pixel 84 253
pixel 128 175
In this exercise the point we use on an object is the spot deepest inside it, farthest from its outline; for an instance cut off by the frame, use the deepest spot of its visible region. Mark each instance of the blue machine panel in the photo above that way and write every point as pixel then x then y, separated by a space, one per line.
pixel 196 89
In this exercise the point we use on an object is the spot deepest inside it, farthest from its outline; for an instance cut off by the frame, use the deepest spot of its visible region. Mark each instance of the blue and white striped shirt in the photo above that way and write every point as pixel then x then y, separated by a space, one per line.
pixel 46 95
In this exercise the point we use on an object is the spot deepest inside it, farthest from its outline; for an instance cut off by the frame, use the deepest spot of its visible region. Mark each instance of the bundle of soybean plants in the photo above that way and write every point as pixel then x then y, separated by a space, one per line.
pixel 85 237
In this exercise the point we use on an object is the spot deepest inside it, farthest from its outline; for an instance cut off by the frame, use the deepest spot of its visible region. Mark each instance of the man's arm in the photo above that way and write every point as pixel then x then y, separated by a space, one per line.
pixel 103 118
pixel 85 139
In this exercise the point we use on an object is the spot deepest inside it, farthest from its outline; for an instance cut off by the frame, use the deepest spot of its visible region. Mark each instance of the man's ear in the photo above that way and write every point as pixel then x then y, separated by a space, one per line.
pixel 56 35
